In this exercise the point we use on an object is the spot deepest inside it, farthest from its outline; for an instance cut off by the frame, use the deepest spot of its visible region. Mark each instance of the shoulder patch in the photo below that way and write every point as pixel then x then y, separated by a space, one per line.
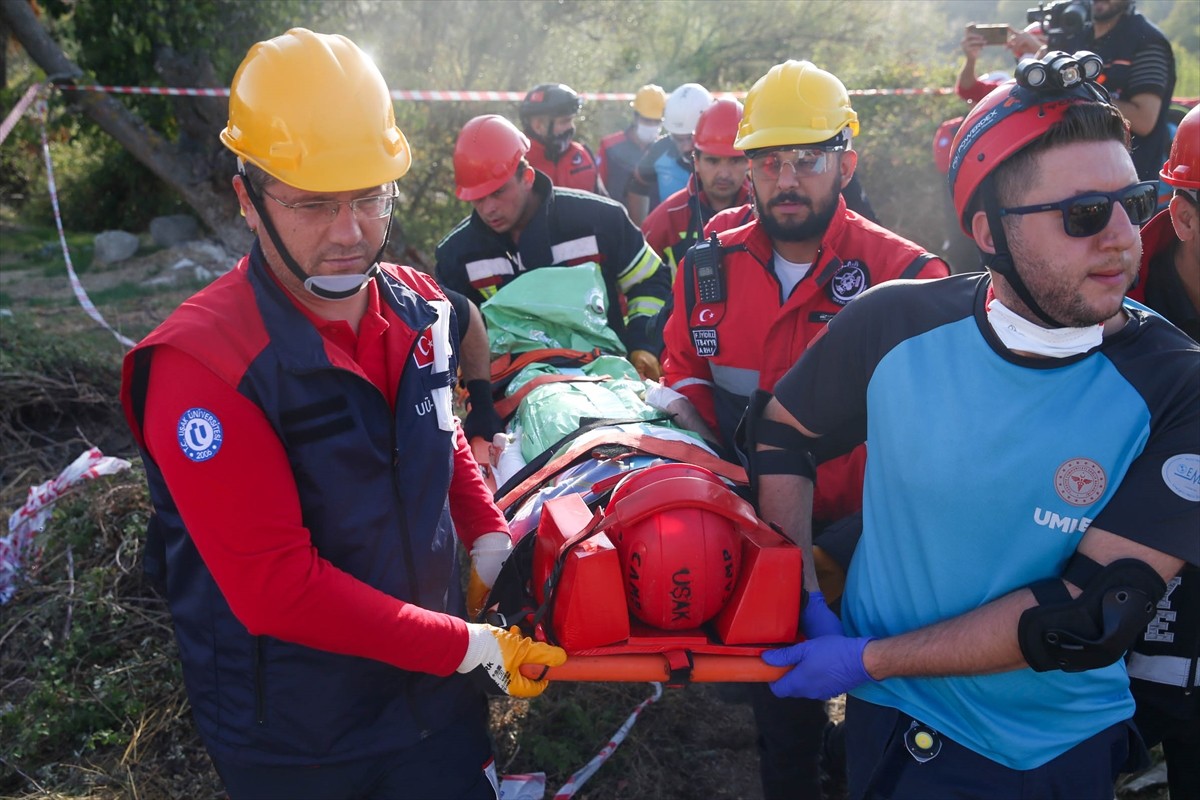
pixel 1181 473
pixel 199 433
pixel 848 282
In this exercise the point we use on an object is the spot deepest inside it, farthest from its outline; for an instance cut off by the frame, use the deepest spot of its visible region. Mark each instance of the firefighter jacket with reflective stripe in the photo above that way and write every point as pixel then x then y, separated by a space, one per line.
pixel 569 228
pixel 719 353
pixel 676 224
pixel 372 485
pixel 577 168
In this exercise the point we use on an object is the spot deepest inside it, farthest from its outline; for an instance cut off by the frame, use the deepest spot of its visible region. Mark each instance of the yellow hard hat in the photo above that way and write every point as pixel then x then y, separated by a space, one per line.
pixel 649 101
pixel 312 110
pixel 795 103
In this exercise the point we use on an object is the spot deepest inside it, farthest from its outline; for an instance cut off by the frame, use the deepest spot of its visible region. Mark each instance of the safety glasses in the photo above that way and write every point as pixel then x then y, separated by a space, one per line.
pixel 1087 214
pixel 326 211
pixel 805 161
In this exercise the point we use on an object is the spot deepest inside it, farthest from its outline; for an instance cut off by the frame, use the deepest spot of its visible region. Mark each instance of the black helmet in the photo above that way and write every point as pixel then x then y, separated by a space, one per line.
pixel 550 100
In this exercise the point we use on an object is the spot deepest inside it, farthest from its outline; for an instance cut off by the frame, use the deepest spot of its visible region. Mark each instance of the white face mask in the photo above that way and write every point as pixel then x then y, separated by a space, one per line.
pixel 345 285
pixel 647 133
pixel 1018 333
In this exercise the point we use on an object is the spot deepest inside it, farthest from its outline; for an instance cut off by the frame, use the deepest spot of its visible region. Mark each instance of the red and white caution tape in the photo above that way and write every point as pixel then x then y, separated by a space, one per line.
pixel 576 781
pixel 175 91
pixel 19 109
pixel 17 546
pixel 448 95
pixel 76 286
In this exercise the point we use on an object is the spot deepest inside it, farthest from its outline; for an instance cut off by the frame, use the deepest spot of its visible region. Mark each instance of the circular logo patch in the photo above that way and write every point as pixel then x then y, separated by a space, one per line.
pixel 848 282
pixel 199 433
pixel 1080 481
pixel 1181 473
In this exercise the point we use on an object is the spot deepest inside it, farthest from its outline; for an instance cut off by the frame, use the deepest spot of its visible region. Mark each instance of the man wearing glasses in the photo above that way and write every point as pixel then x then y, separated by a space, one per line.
pixel 295 423
pixel 1033 474
pixel 749 301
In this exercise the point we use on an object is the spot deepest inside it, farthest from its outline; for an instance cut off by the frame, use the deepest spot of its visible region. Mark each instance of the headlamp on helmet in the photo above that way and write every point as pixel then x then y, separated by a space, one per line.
pixel 1059 70
pixel 1013 115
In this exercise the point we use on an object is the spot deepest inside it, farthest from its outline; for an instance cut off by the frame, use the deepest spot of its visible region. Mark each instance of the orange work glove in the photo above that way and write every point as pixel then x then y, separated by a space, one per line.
pixel 488 555
pixel 500 653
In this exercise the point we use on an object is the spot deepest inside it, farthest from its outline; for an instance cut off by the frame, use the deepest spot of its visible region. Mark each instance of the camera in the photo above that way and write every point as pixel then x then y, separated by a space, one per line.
pixel 1066 23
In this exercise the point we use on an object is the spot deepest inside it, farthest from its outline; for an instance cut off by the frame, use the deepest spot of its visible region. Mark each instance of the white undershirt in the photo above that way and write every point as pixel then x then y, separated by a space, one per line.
pixel 789 273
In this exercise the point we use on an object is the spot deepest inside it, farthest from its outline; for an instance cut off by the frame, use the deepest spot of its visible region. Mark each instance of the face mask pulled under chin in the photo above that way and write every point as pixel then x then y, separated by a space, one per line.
pixel 1018 333
pixel 646 134
pixel 343 285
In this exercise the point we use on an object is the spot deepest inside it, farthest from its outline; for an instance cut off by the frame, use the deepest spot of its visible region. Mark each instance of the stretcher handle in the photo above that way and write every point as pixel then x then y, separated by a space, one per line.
pixel 646 667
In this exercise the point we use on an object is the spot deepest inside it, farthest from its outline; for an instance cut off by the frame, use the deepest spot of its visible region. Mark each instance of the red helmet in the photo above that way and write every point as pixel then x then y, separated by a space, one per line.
pixel 1182 169
pixel 680 550
pixel 1002 124
pixel 943 138
pixel 487 153
pixel 718 127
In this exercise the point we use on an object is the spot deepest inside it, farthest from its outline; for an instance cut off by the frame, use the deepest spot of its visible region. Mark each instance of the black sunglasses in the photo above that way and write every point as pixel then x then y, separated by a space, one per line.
pixel 1087 214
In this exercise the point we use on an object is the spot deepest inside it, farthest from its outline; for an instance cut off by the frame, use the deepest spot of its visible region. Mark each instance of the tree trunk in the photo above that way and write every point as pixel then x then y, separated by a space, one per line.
pixel 216 208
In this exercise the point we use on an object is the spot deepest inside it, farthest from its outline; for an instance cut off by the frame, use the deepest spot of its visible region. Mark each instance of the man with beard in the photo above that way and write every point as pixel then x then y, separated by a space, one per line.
pixel 548 117
pixel 1033 479
pixel 748 302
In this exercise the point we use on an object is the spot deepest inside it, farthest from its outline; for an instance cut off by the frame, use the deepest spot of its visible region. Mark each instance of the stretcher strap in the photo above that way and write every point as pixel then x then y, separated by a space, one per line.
pixel 607 435
pixel 507 406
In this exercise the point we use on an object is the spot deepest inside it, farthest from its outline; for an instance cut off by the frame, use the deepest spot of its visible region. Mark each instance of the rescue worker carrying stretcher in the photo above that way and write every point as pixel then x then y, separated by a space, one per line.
pixel 748 302
pixel 1032 477
pixel 308 476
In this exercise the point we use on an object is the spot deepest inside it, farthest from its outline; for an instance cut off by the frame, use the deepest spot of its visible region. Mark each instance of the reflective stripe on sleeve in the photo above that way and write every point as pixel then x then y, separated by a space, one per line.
pixel 641 268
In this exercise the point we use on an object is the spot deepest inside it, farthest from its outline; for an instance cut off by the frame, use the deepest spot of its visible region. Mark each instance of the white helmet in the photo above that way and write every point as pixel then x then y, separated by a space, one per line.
pixel 684 106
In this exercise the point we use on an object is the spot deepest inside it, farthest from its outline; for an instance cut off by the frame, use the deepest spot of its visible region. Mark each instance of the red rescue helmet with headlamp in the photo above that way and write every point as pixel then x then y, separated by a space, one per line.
pixel 1011 117
pixel 487 154
pixel 681 562
pixel 1182 169
pixel 718 127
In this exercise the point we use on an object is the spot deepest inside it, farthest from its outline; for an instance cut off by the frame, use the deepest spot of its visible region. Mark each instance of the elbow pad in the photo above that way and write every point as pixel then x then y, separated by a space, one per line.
pixel 1095 629
pixel 794 458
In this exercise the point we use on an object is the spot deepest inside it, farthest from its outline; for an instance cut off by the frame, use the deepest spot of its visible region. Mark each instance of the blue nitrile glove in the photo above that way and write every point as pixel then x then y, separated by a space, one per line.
pixel 824 667
pixel 817 620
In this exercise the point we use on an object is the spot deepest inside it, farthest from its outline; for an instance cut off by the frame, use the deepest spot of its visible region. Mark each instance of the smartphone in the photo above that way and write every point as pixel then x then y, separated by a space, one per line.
pixel 992 33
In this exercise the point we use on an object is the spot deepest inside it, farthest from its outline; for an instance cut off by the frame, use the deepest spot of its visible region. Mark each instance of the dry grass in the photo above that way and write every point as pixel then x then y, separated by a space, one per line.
pixel 91 700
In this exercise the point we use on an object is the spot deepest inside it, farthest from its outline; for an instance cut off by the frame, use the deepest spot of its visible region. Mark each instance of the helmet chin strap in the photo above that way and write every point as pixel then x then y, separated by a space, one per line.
pixel 1001 261
pixel 327 287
